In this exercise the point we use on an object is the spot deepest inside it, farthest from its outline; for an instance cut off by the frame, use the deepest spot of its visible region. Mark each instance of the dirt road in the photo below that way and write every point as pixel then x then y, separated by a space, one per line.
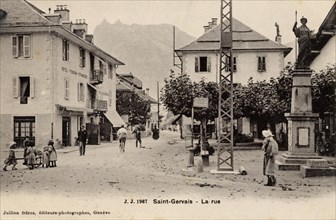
pixel 153 183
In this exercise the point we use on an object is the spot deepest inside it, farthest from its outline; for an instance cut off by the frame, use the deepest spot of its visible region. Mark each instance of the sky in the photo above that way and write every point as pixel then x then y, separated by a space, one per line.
pixel 191 16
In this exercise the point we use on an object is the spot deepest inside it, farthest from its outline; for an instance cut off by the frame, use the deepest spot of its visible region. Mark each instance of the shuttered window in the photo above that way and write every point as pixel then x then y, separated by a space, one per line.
pixel 21 46
pixel 234 67
pixel 261 64
pixel 65 50
pixel 66 89
pixel 23 88
pixel 81 57
pixel 202 64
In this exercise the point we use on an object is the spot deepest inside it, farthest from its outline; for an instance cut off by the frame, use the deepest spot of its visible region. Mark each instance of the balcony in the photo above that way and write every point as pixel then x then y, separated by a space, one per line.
pixel 97 77
pixel 97 105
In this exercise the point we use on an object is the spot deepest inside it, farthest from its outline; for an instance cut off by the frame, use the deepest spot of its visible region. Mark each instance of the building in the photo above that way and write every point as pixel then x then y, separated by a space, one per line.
pixel 53 78
pixel 129 83
pixel 253 56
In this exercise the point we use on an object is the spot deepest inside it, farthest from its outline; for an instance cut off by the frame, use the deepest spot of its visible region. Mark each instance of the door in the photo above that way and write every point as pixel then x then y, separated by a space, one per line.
pixel 24 126
pixel 93 133
pixel 66 134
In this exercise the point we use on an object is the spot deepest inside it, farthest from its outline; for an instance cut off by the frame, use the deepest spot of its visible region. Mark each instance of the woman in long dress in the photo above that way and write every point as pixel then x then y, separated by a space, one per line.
pixel 271 150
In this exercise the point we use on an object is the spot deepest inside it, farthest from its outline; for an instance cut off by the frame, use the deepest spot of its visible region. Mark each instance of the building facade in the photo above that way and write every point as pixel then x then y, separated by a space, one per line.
pixel 253 56
pixel 53 78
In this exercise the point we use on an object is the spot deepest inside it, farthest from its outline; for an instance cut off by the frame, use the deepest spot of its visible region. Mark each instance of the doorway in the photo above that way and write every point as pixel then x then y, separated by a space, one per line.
pixel 66 134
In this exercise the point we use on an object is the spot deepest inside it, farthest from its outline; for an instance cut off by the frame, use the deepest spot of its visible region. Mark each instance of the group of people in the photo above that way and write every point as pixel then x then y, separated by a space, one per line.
pixel 30 154
pixel 122 135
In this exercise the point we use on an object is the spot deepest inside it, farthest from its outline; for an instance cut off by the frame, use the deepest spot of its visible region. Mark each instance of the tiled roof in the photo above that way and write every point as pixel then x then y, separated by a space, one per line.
pixel 244 38
pixel 22 13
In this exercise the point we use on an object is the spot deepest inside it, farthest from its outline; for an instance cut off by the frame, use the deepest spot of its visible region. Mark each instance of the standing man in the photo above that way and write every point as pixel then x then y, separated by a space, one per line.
pixel 137 136
pixel 270 147
pixel 122 134
pixel 82 136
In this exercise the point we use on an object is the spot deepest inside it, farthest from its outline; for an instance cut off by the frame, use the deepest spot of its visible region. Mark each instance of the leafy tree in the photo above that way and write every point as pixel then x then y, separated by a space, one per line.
pixel 137 109
pixel 178 93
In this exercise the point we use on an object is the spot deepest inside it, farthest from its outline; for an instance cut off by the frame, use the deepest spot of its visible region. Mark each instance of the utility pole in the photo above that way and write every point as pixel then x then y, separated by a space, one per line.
pixel 158 111
pixel 225 103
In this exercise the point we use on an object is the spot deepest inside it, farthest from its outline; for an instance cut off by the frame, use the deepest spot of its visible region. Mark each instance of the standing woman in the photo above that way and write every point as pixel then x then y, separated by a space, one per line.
pixel 52 154
pixel 271 150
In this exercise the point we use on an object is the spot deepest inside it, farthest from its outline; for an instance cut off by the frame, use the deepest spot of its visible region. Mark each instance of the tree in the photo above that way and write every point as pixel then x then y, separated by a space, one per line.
pixel 178 93
pixel 137 109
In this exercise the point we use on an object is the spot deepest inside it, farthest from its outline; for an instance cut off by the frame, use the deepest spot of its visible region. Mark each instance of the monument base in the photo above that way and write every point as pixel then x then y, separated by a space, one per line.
pixel 317 167
pixel 290 161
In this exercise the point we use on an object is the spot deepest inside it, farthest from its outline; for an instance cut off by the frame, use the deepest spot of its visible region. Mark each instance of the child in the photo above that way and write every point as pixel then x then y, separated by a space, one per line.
pixel 52 154
pixel 31 155
pixel 46 156
pixel 11 159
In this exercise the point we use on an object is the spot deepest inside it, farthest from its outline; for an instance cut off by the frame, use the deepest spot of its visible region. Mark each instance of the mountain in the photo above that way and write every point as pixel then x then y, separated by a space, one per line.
pixel 146 50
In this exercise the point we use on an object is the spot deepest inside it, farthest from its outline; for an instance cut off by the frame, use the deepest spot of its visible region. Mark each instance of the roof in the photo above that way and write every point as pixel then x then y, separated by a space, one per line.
pixel 22 14
pixel 325 33
pixel 244 38
pixel 131 79
pixel 126 87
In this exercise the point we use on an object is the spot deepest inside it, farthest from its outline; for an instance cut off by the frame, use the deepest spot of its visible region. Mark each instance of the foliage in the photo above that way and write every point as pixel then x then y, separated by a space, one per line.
pixel 137 109
pixel 323 90
pixel 178 93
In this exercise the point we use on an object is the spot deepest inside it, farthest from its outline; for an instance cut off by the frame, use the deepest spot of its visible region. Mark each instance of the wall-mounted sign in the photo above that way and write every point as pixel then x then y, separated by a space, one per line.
pixel 64 69
pixel 303 137
pixel 201 102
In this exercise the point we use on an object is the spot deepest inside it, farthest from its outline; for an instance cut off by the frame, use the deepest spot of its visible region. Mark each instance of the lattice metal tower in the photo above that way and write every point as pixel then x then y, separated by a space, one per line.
pixel 225 105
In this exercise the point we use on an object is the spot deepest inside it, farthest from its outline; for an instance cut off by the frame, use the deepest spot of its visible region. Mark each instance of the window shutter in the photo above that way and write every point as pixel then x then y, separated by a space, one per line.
pixel 15 87
pixel 209 64
pixel 26 45
pixel 78 91
pixel 66 91
pixel 196 64
pixel 15 46
pixel 258 67
pixel 67 51
pixel 264 63
pixel 82 92
pixel 32 87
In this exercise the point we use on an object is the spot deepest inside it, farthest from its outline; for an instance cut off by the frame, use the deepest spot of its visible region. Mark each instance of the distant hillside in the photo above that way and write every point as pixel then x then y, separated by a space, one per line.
pixel 146 50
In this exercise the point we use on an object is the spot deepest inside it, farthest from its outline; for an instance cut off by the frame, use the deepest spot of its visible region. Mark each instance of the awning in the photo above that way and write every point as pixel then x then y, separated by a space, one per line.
pixel 114 118
pixel 74 109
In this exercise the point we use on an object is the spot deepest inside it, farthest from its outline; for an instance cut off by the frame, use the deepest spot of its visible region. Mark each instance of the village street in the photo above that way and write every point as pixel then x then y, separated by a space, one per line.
pixel 105 181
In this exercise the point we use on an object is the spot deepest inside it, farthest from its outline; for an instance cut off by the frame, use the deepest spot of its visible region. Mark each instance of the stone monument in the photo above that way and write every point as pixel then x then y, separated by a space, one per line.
pixel 301 120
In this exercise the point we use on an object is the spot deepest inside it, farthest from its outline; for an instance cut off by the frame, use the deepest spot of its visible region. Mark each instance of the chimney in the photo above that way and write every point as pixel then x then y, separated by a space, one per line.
pixel 55 18
pixel 214 21
pixel 80 28
pixel 206 28
pixel 278 36
pixel 67 24
pixel 89 38
pixel 63 11
pixel 147 91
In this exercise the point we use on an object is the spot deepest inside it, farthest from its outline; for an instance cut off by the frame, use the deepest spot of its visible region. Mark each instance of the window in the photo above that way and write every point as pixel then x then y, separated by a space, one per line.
pixel 24 126
pixel 234 67
pixel 23 87
pixel 66 89
pixel 202 64
pixel 65 50
pixel 81 57
pixel 80 92
pixel 21 46
pixel 261 64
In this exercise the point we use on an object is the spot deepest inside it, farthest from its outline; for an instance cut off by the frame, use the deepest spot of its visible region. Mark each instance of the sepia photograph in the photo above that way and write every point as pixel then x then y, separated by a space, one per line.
pixel 168 109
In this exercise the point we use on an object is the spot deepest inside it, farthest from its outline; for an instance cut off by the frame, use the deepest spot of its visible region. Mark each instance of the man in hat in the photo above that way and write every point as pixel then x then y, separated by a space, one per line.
pixel 270 147
pixel 82 137
pixel 303 35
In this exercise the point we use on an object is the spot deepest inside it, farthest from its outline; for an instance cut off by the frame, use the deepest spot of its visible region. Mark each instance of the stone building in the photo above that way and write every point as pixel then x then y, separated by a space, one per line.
pixel 53 78
pixel 253 56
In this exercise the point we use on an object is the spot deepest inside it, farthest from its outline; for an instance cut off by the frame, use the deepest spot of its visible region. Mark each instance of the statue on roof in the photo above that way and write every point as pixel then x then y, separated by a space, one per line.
pixel 303 35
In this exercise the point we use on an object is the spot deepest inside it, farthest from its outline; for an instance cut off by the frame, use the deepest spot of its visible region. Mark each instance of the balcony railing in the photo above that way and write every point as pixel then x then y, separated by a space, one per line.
pixel 97 77
pixel 97 104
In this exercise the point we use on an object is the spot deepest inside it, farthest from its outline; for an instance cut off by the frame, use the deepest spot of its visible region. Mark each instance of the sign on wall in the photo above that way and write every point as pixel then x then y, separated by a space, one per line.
pixel 201 102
